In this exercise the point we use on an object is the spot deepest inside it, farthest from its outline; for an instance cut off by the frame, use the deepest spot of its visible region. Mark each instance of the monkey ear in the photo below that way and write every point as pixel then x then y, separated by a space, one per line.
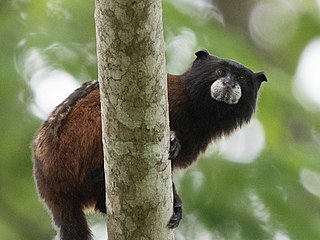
pixel 202 54
pixel 261 77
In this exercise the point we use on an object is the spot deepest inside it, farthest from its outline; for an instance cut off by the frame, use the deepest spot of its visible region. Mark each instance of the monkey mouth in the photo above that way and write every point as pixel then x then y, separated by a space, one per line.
pixel 226 94
pixel 227 97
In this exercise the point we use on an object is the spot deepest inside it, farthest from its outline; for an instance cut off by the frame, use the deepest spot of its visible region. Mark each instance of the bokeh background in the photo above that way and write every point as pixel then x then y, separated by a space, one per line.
pixel 263 183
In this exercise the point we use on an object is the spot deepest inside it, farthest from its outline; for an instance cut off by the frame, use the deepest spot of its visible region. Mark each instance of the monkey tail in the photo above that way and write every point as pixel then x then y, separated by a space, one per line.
pixel 70 219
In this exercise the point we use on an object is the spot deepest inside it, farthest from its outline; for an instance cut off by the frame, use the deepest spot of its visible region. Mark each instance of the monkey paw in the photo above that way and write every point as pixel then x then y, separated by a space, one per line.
pixel 175 218
pixel 174 146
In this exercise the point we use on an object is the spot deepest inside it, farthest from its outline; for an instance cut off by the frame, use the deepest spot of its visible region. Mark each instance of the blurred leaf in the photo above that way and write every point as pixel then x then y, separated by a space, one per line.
pixel 226 200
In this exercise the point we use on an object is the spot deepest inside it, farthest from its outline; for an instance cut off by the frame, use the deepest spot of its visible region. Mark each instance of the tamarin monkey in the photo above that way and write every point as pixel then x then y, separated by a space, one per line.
pixel 211 99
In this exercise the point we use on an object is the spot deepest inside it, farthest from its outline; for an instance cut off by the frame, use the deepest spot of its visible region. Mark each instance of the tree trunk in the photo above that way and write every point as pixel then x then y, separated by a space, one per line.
pixel 134 108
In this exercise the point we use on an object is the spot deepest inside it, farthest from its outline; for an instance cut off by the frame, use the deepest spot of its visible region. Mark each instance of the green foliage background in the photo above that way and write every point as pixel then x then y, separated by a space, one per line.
pixel 261 200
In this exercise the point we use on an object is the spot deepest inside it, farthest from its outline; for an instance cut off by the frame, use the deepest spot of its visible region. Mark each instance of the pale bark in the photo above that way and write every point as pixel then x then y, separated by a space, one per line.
pixel 134 110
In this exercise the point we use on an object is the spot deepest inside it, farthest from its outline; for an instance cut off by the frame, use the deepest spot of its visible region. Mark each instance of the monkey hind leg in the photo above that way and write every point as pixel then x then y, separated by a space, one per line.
pixel 101 204
pixel 95 188
pixel 71 221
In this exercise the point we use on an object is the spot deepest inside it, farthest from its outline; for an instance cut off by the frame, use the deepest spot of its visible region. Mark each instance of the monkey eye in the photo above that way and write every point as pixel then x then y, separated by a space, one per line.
pixel 221 72
pixel 240 78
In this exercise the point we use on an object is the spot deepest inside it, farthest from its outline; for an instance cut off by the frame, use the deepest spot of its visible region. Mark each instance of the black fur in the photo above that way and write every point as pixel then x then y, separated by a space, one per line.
pixel 199 119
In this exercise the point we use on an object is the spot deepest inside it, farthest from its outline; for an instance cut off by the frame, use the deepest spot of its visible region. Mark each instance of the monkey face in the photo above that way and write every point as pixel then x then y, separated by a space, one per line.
pixel 223 80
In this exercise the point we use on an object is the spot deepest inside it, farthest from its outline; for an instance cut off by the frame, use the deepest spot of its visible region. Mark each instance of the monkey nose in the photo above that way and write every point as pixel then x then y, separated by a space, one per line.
pixel 229 83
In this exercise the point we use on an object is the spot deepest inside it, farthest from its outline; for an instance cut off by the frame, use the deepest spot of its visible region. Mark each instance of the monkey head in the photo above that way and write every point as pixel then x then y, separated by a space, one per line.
pixel 222 80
